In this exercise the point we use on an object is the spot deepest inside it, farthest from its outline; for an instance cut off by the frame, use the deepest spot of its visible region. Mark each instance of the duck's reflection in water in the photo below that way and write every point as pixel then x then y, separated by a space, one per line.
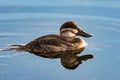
pixel 69 59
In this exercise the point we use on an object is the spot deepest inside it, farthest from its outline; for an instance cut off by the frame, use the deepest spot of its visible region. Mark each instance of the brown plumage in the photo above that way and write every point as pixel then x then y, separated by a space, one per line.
pixel 53 45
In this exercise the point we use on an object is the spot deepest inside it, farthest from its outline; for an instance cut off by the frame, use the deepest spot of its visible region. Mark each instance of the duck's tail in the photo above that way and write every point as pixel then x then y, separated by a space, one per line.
pixel 14 47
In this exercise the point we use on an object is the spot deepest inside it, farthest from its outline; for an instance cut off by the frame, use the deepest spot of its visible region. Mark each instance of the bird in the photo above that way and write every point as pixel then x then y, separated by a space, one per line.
pixel 54 45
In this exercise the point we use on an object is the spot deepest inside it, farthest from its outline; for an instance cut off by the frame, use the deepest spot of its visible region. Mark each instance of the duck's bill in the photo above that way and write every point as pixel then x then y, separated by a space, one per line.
pixel 84 34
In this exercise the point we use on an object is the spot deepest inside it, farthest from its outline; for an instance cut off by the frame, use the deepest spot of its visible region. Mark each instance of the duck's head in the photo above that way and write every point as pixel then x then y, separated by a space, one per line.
pixel 69 30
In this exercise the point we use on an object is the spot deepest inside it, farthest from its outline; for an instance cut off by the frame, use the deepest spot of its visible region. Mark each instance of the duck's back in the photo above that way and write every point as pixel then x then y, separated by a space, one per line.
pixel 46 44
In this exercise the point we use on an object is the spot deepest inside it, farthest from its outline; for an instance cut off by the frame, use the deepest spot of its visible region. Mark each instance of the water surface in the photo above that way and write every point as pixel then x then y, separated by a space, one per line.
pixel 24 20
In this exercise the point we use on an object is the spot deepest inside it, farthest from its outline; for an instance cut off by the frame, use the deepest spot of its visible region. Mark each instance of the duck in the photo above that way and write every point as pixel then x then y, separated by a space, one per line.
pixel 54 45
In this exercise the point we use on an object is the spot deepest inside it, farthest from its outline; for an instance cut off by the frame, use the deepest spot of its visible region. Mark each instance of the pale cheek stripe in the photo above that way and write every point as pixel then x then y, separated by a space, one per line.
pixel 68 34
pixel 74 30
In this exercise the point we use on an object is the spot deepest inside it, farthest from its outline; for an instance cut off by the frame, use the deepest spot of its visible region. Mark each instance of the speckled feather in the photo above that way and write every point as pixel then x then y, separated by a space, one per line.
pixel 50 43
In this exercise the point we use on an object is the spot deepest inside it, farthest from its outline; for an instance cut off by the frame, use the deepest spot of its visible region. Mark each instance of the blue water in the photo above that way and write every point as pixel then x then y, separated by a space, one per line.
pixel 24 20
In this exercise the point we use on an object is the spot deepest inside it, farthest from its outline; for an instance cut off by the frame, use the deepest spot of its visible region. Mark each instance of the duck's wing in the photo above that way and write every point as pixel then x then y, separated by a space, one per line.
pixel 45 40
pixel 45 44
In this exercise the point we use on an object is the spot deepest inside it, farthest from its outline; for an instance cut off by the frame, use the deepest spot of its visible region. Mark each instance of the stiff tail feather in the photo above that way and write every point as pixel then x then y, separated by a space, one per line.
pixel 14 47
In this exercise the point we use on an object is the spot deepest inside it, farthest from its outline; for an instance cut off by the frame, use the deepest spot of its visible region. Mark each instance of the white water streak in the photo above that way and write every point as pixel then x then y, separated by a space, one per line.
pixel 53 15
pixel 96 46
pixel 112 29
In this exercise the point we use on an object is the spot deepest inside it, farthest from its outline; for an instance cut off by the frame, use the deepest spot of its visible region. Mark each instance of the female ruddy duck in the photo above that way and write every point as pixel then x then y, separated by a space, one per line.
pixel 52 45
pixel 65 46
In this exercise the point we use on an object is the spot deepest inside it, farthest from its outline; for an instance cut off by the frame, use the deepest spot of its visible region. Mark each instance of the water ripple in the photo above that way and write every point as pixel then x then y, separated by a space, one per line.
pixel 54 15
pixel 7 35
pixel 111 29
pixel 97 46
pixel 11 55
